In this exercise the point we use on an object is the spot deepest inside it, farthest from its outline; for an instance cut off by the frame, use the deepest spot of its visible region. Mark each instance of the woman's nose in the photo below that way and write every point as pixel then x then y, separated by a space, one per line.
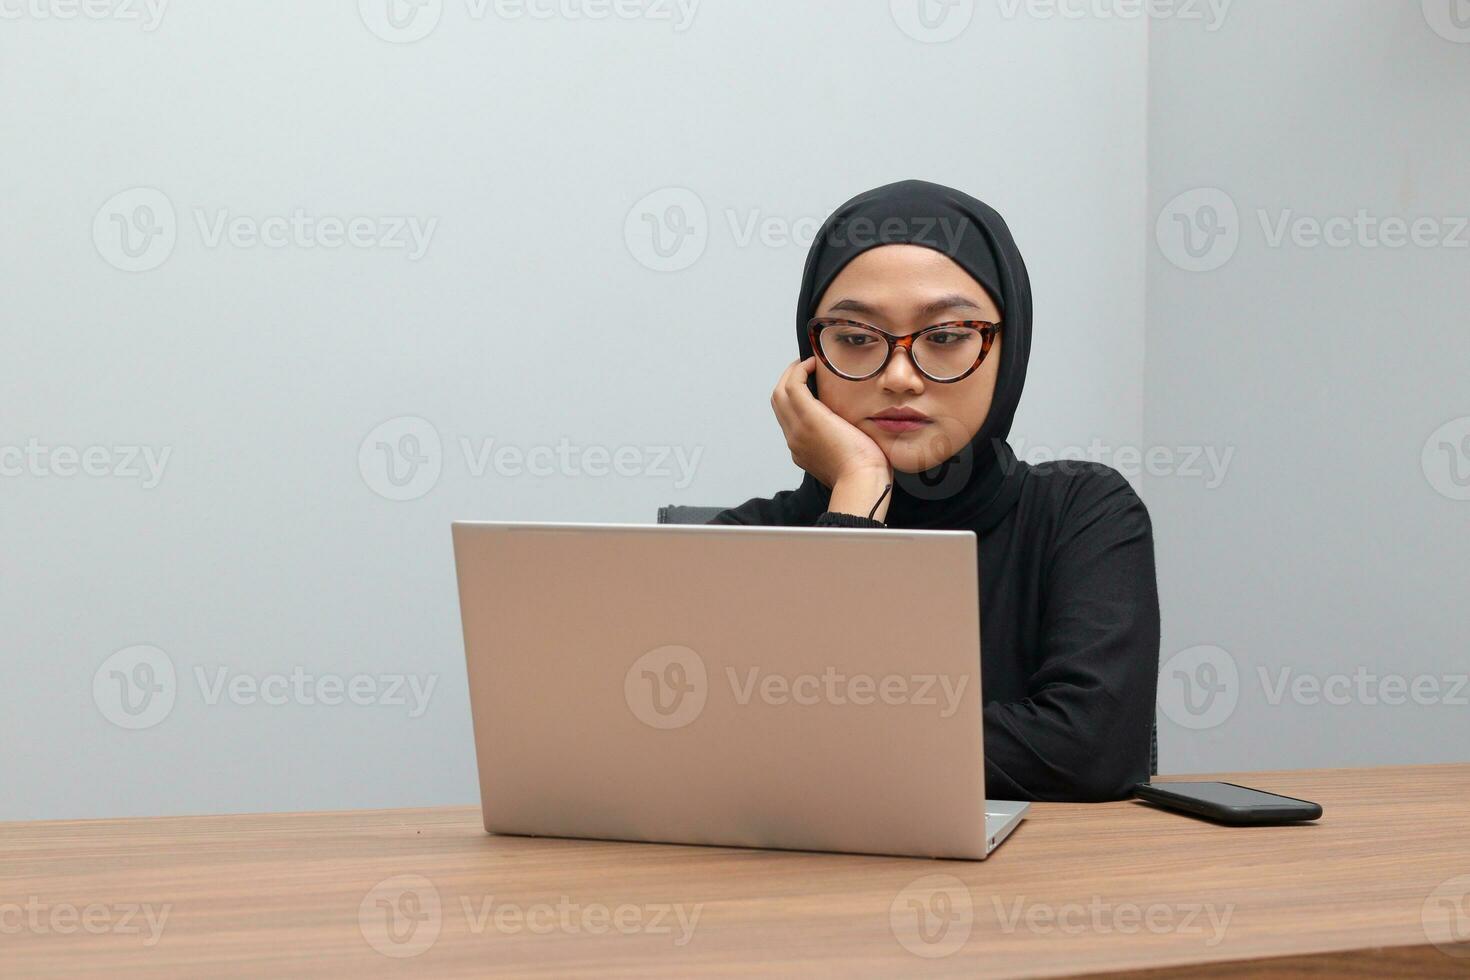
pixel 901 373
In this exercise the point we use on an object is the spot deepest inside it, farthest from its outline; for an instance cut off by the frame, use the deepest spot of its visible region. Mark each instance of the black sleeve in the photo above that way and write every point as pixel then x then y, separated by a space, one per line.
pixel 1083 733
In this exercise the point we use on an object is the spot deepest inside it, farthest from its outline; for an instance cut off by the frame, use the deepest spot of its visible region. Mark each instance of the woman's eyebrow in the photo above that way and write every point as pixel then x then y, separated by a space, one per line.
pixel 949 302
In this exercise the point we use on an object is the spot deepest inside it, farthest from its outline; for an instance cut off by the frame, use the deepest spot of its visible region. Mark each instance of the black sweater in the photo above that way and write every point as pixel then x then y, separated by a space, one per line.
pixel 1069 624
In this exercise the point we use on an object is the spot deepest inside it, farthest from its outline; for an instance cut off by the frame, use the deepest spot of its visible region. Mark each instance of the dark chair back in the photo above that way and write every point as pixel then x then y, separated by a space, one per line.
pixel 682 514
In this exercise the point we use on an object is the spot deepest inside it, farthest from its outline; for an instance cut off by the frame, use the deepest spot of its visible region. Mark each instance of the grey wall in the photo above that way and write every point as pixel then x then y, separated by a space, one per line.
pixel 274 545
pixel 1298 425
pixel 1331 559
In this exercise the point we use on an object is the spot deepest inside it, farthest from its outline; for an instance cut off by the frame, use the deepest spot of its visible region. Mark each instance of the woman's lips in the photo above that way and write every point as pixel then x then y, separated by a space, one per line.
pixel 901 425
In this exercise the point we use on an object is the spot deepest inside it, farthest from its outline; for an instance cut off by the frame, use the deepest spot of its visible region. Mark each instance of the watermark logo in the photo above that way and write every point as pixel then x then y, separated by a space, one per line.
pixel 135 230
pixel 667 687
pixel 667 230
pixel 1446 917
pixel 1446 459
pixel 1199 687
pixel 135 688
pixel 933 916
pixel 401 916
pixel 1450 19
pixel 402 458
pixel 942 480
pixel 932 21
pixel 401 21
pixel 1199 230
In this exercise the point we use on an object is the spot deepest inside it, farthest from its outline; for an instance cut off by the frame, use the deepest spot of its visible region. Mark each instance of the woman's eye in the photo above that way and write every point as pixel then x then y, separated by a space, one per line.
pixel 854 339
pixel 946 336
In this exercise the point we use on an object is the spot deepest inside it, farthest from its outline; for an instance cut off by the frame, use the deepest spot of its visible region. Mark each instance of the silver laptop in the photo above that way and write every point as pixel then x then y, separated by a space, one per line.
pixel 802 688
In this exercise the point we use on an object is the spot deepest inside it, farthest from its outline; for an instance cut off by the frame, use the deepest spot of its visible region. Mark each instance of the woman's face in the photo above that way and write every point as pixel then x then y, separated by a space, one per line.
pixel 901 289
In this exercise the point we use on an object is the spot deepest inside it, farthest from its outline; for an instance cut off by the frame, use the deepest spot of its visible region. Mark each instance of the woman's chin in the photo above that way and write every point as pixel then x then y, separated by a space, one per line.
pixel 914 451
pixel 912 458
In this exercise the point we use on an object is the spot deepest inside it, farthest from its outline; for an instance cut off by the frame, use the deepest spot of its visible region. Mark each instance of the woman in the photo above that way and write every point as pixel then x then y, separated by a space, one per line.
pixel 914 328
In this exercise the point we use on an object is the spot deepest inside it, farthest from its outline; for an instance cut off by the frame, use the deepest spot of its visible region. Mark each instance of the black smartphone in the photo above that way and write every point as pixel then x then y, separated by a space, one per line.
pixel 1228 802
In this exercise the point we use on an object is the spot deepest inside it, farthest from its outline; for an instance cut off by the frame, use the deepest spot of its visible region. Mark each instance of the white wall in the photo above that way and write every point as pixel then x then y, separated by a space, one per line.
pixel 1333 552
pixel 535 314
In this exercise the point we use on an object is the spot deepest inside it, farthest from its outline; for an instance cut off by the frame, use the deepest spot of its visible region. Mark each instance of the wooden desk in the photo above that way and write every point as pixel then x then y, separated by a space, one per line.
pixel 1078 889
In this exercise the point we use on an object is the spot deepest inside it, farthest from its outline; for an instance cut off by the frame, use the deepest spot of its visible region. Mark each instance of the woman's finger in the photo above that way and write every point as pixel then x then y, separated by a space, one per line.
pixel 800 396
pixel 781 400
pixel 806 405
pixel 780 393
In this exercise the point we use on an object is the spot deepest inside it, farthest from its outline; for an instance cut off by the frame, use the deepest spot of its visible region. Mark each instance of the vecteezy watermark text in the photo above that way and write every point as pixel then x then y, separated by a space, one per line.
pixel 1209 13
pixel 937 21
pixel 406 21
pixel 1101 916
pixel 41 918
pixel 668 687
pixel 136 230
pixel 137 687
pixel 567 459
pixel 832 686
pixel 1200 230
pixel 402 917
pixel 300 229
pixel 122 462
pixel 403 458
pixel 669 229
pixel 1205 463
pixel 565 916
pixel 934 915
pixel 1200 687
pixel 299 687
pixel 148 13
pixel 1363 686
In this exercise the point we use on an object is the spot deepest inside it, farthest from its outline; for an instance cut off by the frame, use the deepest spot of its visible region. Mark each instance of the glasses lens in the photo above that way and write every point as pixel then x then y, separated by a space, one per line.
pixel 949 351
pixel 852 349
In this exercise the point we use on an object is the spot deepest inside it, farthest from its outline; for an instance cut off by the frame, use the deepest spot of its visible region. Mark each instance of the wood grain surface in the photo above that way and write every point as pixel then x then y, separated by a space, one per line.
pixel 1380 885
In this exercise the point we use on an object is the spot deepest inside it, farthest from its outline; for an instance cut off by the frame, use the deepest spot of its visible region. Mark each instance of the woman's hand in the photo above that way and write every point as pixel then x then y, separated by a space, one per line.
pixel 822 442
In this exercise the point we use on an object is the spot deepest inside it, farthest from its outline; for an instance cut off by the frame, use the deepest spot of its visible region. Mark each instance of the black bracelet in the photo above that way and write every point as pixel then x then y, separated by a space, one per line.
pixel 886 488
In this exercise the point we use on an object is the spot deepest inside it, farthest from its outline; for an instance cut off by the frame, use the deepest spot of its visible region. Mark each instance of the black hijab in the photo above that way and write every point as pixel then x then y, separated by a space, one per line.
pixel 980 483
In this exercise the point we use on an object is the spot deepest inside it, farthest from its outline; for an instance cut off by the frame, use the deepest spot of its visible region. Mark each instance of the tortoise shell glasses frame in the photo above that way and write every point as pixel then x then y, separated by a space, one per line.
pixel 817 324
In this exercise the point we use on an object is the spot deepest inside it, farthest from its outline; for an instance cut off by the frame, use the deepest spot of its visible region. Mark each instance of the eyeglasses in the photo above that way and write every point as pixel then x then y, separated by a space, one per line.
pixel 944 353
